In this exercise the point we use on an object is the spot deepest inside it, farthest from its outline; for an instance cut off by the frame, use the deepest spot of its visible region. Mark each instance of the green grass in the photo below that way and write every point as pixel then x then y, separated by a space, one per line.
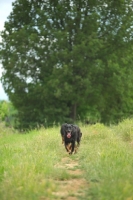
pixel 108 162
pixel 28 162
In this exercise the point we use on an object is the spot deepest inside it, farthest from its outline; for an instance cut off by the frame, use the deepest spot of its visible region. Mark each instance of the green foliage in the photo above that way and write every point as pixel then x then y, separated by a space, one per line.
pixel 7 112
pixel 65 59
pixel 4 110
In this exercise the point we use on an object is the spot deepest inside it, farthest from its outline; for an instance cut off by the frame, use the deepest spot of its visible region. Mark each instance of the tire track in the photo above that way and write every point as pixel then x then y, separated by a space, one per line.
pixel 74 187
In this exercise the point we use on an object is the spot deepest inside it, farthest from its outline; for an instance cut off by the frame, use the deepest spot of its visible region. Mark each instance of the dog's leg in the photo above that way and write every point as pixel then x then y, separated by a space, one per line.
pixel 73 147
pixel 68 147
pixel 76 146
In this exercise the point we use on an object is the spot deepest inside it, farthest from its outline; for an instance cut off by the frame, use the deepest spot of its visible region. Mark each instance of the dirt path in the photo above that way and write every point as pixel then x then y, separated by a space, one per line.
pixel 74 187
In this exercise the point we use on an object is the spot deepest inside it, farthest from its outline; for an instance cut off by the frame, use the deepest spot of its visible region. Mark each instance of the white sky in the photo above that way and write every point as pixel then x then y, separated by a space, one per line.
pixel 5 9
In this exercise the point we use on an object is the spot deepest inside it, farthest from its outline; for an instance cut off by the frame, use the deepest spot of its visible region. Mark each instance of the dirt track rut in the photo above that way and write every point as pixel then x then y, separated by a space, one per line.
pixel 74 187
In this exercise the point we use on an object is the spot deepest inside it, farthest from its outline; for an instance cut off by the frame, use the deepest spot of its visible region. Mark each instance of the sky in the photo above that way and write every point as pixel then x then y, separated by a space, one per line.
pixel 5 9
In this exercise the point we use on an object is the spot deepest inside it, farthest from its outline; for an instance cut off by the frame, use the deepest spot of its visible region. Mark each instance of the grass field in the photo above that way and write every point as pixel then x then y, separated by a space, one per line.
pixel 35 166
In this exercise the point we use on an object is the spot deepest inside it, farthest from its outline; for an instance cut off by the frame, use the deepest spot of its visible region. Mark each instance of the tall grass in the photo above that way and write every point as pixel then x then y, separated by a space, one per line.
pixel 108 162
pixel 27 169
pixel 28 162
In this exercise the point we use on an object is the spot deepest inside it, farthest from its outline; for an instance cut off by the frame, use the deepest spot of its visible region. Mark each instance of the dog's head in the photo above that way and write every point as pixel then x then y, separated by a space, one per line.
pixel 68 130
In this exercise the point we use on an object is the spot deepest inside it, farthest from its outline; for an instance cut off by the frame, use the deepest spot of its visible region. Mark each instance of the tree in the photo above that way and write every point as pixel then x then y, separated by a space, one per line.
pixel 64 59
pixel 7 112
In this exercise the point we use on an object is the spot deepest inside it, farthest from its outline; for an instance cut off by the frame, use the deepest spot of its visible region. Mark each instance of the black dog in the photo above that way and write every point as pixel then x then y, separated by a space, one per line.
pixel 71 135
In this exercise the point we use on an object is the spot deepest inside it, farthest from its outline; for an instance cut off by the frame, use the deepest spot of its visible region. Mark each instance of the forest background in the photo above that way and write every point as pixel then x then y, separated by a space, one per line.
pixel 65 61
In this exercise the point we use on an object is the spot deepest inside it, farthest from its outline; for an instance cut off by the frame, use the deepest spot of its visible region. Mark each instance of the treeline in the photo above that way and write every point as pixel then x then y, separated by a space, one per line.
pixel 69 60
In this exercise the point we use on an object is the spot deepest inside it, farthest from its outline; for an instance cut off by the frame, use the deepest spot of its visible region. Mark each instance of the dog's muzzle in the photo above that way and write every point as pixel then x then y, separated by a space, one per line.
pixel 68 134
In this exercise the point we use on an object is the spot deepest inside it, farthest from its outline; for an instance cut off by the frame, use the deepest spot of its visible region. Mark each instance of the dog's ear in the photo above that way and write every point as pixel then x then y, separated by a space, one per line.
pixel 72 125
pixel 73 128
pixel 66 125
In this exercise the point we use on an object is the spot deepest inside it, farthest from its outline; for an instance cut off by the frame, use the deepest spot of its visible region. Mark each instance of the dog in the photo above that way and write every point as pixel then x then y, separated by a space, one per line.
pixel 71 137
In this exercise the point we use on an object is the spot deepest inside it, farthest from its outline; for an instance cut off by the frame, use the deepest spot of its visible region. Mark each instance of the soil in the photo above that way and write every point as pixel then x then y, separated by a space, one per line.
pixel 74 187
